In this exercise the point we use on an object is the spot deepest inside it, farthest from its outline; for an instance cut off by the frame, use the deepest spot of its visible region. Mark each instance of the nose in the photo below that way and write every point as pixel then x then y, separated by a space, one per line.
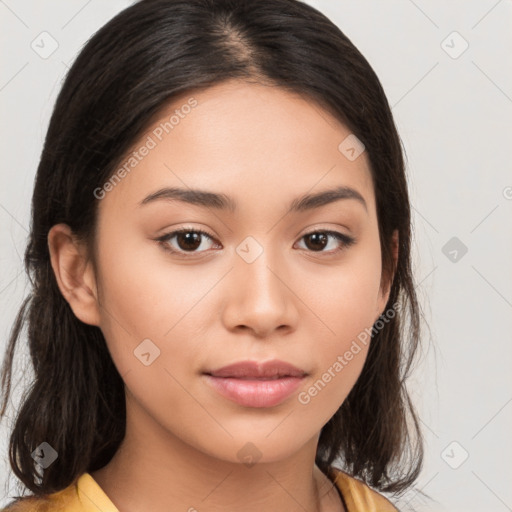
pixel 260 297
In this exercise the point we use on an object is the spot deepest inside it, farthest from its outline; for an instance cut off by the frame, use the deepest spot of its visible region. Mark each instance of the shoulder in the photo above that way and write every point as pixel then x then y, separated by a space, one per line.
pixel 61 501
pixel 29 504
pixel 358 496
pixel 83 495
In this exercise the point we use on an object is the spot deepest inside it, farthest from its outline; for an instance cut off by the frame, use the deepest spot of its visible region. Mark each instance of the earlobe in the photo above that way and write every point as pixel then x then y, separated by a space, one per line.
pixel 74 275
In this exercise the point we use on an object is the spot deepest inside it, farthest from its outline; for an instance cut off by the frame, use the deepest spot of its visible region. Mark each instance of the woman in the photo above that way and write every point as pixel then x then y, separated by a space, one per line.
pixel 220 259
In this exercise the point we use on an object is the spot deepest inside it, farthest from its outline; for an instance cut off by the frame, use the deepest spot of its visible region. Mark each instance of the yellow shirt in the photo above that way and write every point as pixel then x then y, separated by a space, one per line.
pixel 88 496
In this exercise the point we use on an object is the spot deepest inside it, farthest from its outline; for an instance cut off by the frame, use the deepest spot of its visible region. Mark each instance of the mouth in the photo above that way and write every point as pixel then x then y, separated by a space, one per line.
pixel 253 384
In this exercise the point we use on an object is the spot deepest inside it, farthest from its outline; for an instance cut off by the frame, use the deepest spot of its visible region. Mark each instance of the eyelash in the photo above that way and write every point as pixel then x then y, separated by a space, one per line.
pixel 164 240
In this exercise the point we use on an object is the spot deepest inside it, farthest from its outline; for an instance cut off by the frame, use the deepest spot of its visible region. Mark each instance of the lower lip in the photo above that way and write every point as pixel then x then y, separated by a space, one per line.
pixel 255 393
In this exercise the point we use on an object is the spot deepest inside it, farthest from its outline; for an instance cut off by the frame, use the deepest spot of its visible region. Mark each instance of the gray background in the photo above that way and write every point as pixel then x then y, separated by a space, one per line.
pixel 453 109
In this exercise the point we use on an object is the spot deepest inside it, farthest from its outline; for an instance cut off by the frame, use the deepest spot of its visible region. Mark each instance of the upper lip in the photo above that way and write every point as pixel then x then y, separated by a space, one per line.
pixel 269 369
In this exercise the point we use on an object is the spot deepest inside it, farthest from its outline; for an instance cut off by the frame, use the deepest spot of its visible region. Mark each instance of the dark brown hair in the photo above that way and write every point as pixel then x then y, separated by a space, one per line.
pixel 127 72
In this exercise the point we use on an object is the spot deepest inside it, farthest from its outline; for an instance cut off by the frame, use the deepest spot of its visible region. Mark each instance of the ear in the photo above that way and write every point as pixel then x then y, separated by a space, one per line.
pixel 74 274
pixel 387 280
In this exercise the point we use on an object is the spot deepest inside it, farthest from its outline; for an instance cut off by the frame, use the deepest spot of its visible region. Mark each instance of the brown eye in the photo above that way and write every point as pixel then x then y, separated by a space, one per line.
pixel 186 240
pixel 318 240
pixel 189 241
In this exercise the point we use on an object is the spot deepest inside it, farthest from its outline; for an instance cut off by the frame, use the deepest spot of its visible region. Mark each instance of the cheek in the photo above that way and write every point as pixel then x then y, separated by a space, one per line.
pixel 135 303
pixel 339 353
pixel 346 304
pixel 354 300
pixel 344 298
pixel 327 389
pixel 146 296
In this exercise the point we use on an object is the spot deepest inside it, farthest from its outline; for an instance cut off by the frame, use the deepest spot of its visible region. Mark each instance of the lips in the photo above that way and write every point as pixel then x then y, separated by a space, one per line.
pixel 253 384
pixel 253 370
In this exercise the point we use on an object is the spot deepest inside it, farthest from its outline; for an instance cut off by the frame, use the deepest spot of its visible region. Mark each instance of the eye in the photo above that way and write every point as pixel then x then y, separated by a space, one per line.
pixel 188 240
pixel 319 240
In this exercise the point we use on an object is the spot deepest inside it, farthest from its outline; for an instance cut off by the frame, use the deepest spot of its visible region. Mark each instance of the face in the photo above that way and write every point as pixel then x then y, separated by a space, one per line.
pixel 258 285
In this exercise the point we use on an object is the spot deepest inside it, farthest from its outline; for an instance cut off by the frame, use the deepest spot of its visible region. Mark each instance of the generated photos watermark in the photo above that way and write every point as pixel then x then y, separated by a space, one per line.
pixel 342 361
pixel 151 142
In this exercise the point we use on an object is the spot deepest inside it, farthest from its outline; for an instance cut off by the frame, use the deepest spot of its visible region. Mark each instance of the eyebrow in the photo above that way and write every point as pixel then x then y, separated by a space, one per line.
pixel 221 201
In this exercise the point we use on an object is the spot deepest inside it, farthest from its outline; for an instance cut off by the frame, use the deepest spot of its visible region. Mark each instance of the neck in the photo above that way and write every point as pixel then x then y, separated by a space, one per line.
pixel 154 470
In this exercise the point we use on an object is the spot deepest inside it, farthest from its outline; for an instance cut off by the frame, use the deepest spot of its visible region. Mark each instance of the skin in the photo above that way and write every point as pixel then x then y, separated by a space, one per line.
pixel 264 147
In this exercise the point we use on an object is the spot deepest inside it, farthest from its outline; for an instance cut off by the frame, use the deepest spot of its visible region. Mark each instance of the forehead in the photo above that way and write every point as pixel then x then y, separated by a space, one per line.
pixel 244 140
